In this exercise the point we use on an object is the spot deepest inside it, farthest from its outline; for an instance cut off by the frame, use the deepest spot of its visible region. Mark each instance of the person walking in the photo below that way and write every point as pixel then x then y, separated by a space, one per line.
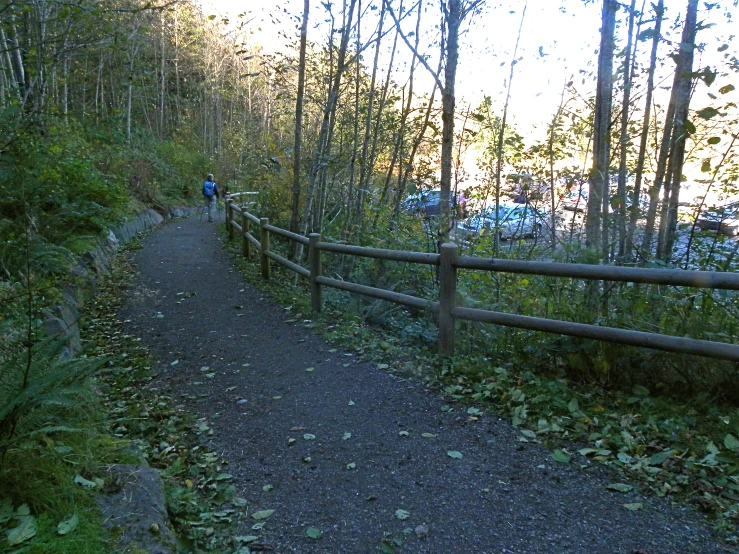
pixel 210 194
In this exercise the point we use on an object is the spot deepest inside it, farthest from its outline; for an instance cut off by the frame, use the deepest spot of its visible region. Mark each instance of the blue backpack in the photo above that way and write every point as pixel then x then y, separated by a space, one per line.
pixel 209 188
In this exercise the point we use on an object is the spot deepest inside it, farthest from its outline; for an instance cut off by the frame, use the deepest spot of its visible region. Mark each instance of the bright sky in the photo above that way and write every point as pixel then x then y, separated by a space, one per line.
pixel 559 42
pixel 559 39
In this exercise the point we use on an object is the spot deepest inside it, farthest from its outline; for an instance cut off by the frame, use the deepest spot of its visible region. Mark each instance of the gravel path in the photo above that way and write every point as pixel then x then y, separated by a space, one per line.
pixel 344 446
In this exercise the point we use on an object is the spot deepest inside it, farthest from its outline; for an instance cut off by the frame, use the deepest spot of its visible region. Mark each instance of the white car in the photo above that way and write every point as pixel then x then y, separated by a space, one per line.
pixel 514 220
pixel 722 219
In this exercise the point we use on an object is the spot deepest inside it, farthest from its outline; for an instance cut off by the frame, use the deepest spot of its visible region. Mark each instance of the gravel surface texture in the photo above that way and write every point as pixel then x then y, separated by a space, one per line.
pixel 354 451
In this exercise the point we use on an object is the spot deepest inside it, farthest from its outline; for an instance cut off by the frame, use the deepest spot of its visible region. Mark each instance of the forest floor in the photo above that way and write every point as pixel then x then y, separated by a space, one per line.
pixel 335 455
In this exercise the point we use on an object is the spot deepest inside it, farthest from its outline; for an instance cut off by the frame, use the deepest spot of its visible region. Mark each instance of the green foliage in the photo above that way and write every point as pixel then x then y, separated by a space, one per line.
pixel 49 434
pixel 39 390
pixel 682 448
pixel 54 191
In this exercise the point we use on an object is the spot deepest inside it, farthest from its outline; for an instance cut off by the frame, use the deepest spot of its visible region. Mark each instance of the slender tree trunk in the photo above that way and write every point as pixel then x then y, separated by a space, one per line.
pixel 383 99
pixel 416 144
pixel 16 61
pixel 324 139
pixel 295 206
pixel 454 20
pixel 178 98
pixel 596 221
pixel 348 223
pixel 501 135
pixel 162 76
pixel 635 209
pixel 552 187
pixel 624 136
pixel 364 165
pixel 668 217
pixel 670 133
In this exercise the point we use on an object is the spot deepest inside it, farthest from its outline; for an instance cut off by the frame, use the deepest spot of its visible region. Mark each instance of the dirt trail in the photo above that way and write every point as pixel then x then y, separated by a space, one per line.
pixel 345 445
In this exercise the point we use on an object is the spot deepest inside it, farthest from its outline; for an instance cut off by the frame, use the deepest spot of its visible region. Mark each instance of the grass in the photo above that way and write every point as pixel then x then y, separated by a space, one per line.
pixel 39 472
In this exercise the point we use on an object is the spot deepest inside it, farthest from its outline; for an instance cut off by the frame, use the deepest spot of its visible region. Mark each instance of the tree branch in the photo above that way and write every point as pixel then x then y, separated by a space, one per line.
pixel 412 48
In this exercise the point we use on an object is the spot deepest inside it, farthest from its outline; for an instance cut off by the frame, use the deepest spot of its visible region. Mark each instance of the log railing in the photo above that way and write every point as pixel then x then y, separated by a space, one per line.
pixel 449 262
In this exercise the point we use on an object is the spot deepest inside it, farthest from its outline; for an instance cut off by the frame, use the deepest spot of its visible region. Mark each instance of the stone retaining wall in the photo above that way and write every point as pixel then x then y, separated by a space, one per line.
pixel 136 509
pixel 62 318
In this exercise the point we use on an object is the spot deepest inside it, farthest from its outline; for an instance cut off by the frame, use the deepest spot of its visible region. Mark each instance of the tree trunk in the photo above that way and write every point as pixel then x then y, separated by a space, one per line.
pixel 295 206
pixel 596 222
pixel 668 217
pixel 552 183
pixel 501 135
pixel 670 131
pixel 454 20
pixel 624 137
pixel 364 165
pixel 324 139
pixel 635 210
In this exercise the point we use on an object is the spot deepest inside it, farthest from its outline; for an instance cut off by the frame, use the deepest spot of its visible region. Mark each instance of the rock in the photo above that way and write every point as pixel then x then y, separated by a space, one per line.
pixel 136 510
pixel 113 240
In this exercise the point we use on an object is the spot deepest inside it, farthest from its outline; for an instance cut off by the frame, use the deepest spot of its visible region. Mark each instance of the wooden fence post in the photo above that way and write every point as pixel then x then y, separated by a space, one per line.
pixel 447 298
pixel 266 270
pixel 229 218
pixel 314 259
pixel 244 231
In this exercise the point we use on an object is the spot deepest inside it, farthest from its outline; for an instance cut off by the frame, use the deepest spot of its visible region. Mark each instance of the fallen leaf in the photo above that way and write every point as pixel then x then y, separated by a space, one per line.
pixel 659 457
pixel 25 530
pixel 428 435
pixel 561 456
pixel 262 514
pixel 84 482
pixel 731 442
pixel 351 465
pixel 68 525
pixel 309 437
pixel 346 436
pixel 620 487
pixel 634 506
pixel 313 533
pixel 402 514
pixel 454 454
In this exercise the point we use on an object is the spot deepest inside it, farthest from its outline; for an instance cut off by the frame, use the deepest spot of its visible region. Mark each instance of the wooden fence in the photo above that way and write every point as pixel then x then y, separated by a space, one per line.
pixel 449 262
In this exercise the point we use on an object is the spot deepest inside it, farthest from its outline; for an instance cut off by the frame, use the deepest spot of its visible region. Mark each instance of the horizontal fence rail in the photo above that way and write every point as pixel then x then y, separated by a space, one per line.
pixel 706 348
pixel 391 255
pixel 675 277
pixel 448 262
pixel 389 295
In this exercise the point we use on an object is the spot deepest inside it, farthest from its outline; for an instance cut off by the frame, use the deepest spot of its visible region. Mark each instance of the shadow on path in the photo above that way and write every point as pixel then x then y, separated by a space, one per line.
pixel 345 445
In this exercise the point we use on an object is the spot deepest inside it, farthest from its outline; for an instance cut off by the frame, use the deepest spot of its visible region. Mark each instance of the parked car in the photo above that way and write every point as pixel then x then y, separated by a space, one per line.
pixel 428 203
pixel 514 220
pixel 722 219
pixel 576 200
